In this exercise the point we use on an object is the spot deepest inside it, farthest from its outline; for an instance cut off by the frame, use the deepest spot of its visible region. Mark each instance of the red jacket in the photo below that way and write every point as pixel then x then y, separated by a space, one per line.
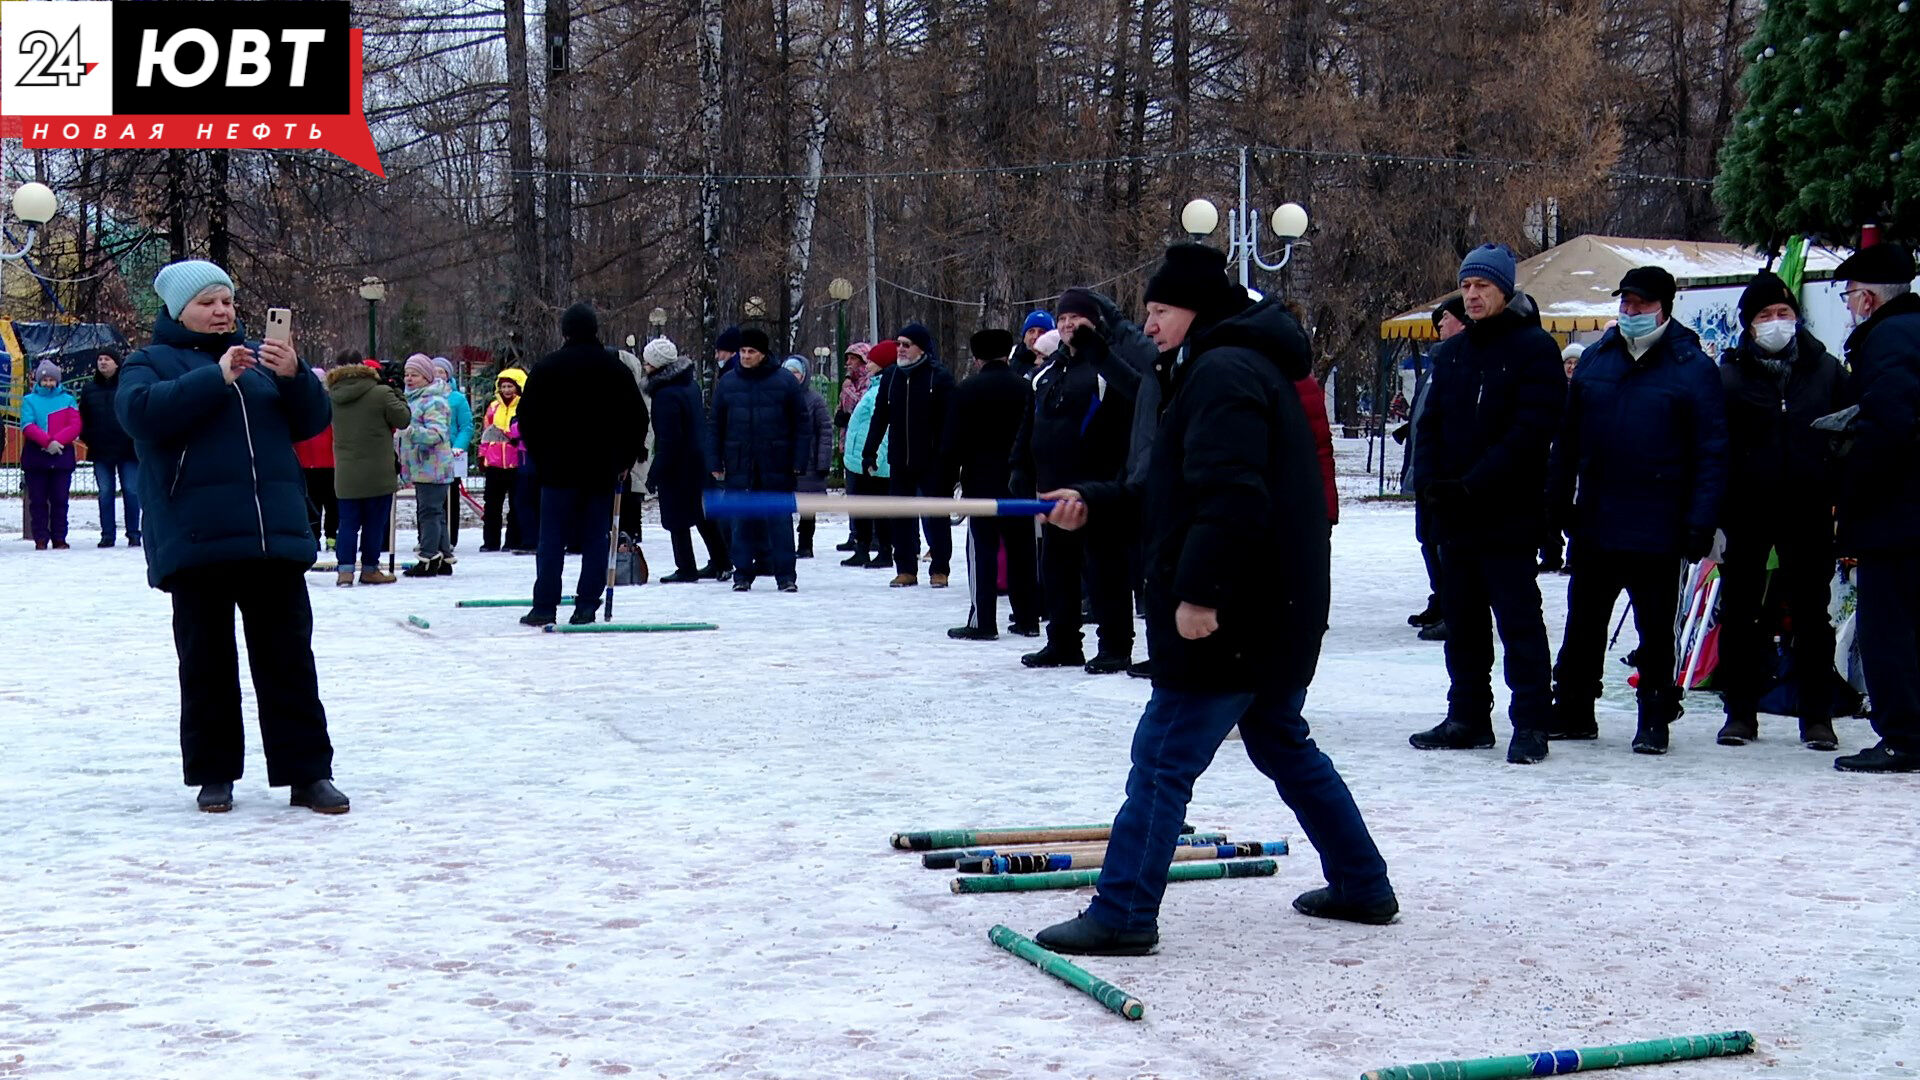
pixel 317 452
pixel 1314 400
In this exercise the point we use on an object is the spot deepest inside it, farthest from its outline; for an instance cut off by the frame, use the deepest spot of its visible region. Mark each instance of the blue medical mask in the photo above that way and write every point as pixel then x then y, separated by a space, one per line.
pixel 1639 326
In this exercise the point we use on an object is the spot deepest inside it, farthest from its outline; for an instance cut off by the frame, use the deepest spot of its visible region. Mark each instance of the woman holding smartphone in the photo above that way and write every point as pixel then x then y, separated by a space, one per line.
pixel 225 529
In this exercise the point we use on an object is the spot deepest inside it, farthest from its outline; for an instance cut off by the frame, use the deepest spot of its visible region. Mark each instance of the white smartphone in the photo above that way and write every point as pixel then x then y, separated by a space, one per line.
pixel 279 325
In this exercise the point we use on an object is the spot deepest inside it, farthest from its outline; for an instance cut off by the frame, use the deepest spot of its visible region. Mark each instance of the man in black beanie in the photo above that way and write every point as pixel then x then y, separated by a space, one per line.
pixel 761 442
pixel 1233 471
pixel 987 411
pixel 1880 498
pixel 585 423
pixel 1778 379
pixel 915 406
pixel 1078 432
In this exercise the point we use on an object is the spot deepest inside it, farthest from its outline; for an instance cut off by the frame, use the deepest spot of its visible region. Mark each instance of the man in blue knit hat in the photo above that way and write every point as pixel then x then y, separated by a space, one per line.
pixel 1480 453
pixel 1024 359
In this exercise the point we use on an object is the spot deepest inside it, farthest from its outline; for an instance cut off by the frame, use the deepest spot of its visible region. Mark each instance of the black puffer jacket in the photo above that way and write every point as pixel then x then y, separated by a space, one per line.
pixel 107 442
pixel 762 438
pixel 1233 475
pixel 582 418
pixel 1776 463
pixel 1081 425
pixel 915 407
pixel 1880 497
pixel 987 411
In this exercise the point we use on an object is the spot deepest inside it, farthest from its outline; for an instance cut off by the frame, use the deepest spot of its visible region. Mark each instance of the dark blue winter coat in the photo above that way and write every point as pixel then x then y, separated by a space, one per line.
pixel 1880 494
pixel 1644 444
pixel 761 439
pixel 219 481
pixel 680 470
pixel 915 407
pixel 1493 406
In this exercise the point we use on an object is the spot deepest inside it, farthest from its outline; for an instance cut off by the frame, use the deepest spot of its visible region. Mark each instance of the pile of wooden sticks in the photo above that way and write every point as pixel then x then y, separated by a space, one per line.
pixel 1030 858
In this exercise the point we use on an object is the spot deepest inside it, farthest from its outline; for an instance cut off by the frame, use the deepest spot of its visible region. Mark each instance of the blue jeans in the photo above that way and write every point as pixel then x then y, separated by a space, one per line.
pixel 1178 735
pixel 763 545
pixel 363 531
pixel 127 476
pixel 567 514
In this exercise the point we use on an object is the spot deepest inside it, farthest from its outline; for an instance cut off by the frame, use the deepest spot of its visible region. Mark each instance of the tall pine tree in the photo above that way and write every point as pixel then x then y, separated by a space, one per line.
pixel 1829 139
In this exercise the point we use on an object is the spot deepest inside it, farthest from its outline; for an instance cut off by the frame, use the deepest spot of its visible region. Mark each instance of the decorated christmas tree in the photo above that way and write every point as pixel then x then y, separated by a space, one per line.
pixel 1829 139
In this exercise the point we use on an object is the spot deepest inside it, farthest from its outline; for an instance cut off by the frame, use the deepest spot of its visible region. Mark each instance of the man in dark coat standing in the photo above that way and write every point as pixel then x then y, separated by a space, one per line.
pixel 1078 432
pixel 812 479
pixel 584 422
pixel 1880 499
pixel 1232 469
pixel 679 473
pixel 1644 445
pixel 987 412
pixel 915 407
pixel 116 469
pixel 1777 380
pixel 1481 453
pixel 761 442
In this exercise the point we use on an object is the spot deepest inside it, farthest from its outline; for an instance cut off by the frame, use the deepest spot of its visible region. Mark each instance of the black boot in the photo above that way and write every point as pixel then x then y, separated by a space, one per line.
pixel 425 566
pixel 1451 734
pixel 215 798
pixel 1055 656
pixel 846 545
pixel 1527 747
pixel 321 797
pixel 973 633
pixel 858 558
pixel 1110 662
pixel 1427 617
pixel 1141 670
pixel 1741 728
pixel 1082 936
pixel 1434 631
pixel 1024 629
pixel 538 618
pixel 1817 734
pixel 1658 708
pixel 583 616
pixel 1572 717
pixel 1323 904
pixel 1879 759
pixel 681 577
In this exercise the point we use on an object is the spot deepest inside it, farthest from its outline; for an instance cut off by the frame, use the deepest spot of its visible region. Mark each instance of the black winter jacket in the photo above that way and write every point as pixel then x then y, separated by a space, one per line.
pixel 820 442
pixel 1776 463
pixel 1645 441
pixel 1880 496
pixel 1233 473
pixel 987 411
pixel 762 438
pixel 1493 407
pixel 680 469
pixel 582 418
pixel 221 482
pixel 107 442
pixel 1081 424
pixel 915 407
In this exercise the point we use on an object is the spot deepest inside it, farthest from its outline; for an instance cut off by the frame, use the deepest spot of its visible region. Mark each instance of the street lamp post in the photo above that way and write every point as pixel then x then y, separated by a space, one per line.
pixel 657 320
pixel 34 205
pixel 1199 218
pixel 841 290
pixel 755 309
pixel 373 290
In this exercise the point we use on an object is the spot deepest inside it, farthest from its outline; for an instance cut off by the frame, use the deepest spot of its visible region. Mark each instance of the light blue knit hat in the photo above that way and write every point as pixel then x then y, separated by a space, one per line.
pixel 178 283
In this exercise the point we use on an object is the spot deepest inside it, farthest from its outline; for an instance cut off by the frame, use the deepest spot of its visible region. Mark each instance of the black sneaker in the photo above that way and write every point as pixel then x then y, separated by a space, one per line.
pixel 846 546
pixel 681 577
pixel 742 583
pixel 1527 747
pixel 539 618
pixel 215 798
pixel 973 633
pixel 1082 936
pixel 582 616
pixel 1323 904
pixel 1023 629
pixel 105 542
pixel 1054 656
pixel 1879 759
pixel 789 585
pixel 1453 735
pixel 858 558
pixel 1109 663
pixel 711 572
pixel 1141 670
pixel 321 797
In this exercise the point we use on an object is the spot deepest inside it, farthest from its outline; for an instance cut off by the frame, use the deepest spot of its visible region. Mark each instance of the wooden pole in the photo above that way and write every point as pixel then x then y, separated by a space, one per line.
pixel 1561 1062
pixel 1100 990
pixel 944 860
pixel 613 549
pixel 629 628
pixel 1075 879
pixel 1001 834
pixel 1085 859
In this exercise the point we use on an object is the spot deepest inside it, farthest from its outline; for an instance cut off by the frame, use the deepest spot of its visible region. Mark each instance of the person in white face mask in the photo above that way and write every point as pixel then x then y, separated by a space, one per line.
pixel 1778 380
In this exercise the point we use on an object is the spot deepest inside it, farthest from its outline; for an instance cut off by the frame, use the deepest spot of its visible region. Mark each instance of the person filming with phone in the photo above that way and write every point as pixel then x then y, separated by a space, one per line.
pixel 226 527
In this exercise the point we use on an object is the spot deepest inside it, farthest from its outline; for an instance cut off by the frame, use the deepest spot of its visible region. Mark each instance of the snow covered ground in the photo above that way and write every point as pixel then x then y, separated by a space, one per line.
pixel 666 855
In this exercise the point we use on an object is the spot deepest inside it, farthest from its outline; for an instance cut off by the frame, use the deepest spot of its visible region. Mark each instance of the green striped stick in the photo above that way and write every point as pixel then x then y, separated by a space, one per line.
pixel 1074 879
pixel 1068 972
pixel 1010 834
pixel 503 603
pixel 944 860
pixel 418 623
pixel 1042 862
pixel 1561 1062
pixel 630 628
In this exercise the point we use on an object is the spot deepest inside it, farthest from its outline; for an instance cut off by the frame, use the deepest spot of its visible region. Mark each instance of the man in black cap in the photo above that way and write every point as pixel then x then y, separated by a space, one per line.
pixel 915 405
pixel 762 441
pixel 987 411
pixel 1493 404
pixel 1880 498
pixel 726 352
pixel 1232 470
pixel 1644 446
pixel 584 422
pixel 1778 379
pixel 1078 432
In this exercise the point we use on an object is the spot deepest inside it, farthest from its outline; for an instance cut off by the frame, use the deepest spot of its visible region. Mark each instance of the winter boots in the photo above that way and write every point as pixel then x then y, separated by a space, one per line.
pixel 376 576
pixel 1324 904
pixel 1572 717
pixel 903 581
pixel 858 558
pixel 937 581
pixel 681 577
pixel 1109 663
pixel 1659 707
pixel 215 798
pixel 973 633
pixel 1053 656
pixel 343 579
pixel 321 797
pixel 1024 629
pixel 1451 734
pixel 1819 735
pixel 1879 759
pixel 1741 728
pixel 1083 936
pixel 1434 631
pixel 1527 747
pixel 1427 617
pixel 427 566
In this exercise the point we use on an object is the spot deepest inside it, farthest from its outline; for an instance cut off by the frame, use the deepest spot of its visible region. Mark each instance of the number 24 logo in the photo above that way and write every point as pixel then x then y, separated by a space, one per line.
pixel 55 62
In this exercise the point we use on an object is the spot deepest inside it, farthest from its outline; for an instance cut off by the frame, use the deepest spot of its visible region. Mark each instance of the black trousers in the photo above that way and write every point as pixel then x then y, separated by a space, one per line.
pixel 1483 586
pixel 872 536
pixel 719 546
pixel 1652 584
pixel 807 525
pixel 501 504
pixel 1102 553
pixel 633 504
pixel 1805 544
pixel 1889 629
pixel 323 509
pixel 272 600
pixel 985 538
pixel 906 531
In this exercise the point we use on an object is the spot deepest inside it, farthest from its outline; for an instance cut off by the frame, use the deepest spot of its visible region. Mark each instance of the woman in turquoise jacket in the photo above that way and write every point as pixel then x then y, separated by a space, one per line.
pixel 50 419
pixel 866 534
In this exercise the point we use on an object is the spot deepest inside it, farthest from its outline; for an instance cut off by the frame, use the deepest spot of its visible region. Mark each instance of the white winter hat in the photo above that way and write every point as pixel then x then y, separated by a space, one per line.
pixel 1048 343
pixel 1573 351
pixel 659 353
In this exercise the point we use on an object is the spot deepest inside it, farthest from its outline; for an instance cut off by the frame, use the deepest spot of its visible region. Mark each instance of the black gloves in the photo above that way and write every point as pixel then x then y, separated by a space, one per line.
pixel 1088 344
pixel 1699 544
pixel 1447 495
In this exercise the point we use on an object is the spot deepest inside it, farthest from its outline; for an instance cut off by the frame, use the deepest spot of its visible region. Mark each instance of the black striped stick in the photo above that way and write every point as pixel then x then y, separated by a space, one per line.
pixel 944 860
pixel 1087 860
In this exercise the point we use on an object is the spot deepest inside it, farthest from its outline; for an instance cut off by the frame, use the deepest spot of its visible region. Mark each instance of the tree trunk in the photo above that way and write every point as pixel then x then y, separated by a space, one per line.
pixel 219 240
pixel 176 204
pixel 712 32
pixel 822 46
pixel 524 288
